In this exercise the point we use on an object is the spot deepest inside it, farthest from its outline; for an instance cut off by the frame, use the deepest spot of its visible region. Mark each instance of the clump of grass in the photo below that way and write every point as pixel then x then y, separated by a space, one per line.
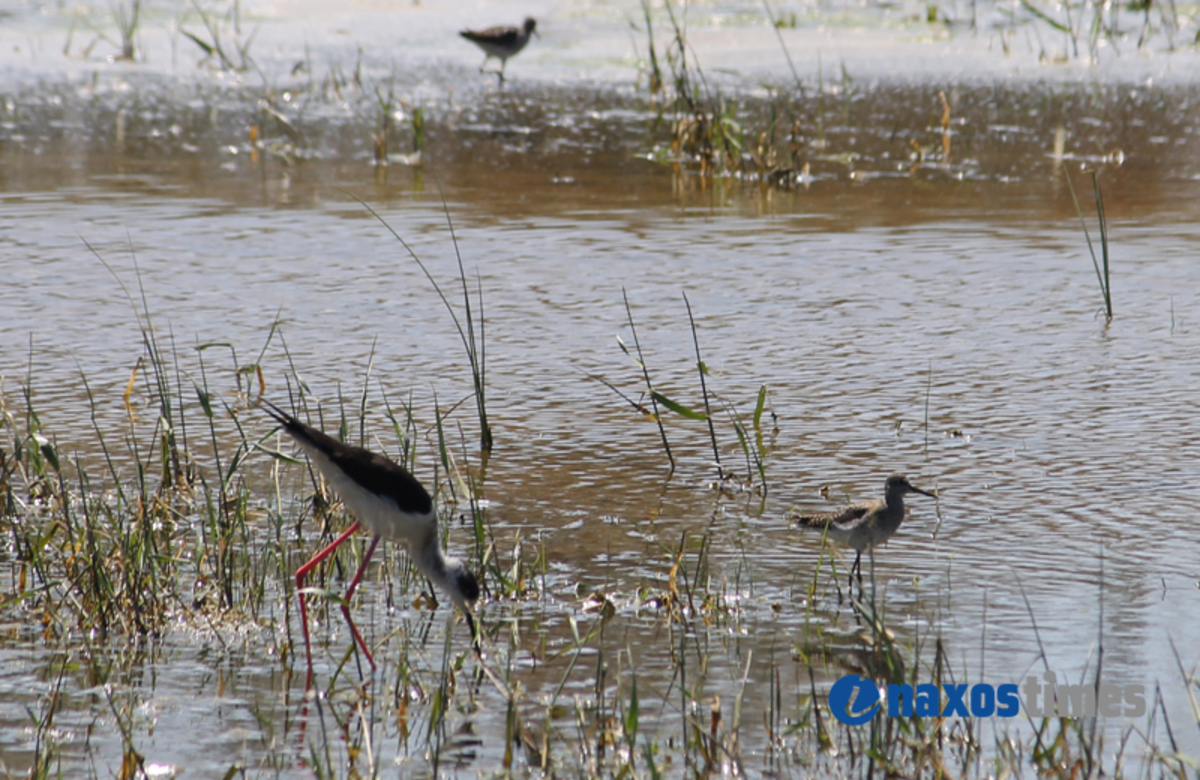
pixel 121 551
pixel 659 402
pixel 754 448
pixel 708 132
pixel 654 71
pixel 126 15
pixel 236 57
pixel 285 145
pixel 416 125
pixel 657 399
pixel 385 105
pixel 430 703
pixel 704 129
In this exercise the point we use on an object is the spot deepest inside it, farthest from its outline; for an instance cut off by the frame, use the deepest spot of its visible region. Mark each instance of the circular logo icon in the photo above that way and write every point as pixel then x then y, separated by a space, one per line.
pixel 854 691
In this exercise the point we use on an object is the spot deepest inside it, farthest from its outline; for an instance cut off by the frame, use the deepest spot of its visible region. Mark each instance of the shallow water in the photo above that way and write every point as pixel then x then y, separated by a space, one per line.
pixel 940 319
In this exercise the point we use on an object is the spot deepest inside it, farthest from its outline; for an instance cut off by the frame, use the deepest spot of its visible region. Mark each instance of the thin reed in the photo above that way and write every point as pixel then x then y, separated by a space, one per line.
pixel 655 397
pixel 471 334
pixel 1100 265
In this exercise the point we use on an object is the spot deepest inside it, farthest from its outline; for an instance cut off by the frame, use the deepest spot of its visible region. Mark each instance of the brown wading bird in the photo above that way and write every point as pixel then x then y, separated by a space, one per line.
pixel 863 526
pixel 501 42
pixel 390 504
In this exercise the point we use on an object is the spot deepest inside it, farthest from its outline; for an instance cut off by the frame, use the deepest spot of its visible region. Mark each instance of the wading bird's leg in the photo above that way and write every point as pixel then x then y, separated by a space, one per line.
pixel 301 573
pixel 362 568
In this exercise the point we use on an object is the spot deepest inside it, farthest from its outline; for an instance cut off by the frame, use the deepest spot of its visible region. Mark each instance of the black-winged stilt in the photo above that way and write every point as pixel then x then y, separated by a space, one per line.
pixel 389 503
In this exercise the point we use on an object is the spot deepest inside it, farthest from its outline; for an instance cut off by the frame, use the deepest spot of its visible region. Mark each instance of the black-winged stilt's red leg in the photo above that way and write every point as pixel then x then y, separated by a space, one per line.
pixel 301 573
pixel 362 568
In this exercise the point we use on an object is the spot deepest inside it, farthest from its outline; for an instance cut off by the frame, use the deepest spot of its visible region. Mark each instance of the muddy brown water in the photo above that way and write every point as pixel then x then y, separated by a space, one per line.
pixel 936 318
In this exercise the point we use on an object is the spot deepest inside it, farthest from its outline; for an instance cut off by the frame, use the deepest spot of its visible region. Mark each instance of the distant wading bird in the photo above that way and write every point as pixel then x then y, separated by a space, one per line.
pixel 390 504
pixel 863 526
pixel 501 42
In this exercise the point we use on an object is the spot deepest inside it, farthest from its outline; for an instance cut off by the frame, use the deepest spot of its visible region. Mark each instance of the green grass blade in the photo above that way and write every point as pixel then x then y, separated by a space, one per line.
pixel 678 408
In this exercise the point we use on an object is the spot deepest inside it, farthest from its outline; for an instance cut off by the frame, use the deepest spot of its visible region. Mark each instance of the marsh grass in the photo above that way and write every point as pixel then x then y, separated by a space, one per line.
pixel 125 15
pixel 753 446
pixel 708 129
pixel 1089 28
pixel 716 138
pixel 704 128
pixel 654 73
pixel 385 107
pixel 217 23
pixel 435 696
pixel 655 397
pixel 607 716
pixel 470 328
pixel 1099 265
pixel 158 526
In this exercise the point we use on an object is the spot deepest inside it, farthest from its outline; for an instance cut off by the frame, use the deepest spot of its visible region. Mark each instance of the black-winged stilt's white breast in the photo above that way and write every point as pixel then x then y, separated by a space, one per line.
pixel 389 503
pixel 501 42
